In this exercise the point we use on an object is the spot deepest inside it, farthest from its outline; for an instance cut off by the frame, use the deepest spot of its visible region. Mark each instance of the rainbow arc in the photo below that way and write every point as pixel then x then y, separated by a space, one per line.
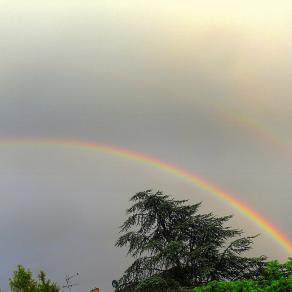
pixel 198 181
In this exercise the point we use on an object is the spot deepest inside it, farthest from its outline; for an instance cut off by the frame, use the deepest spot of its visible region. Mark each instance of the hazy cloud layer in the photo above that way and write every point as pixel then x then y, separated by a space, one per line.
pixel 204 88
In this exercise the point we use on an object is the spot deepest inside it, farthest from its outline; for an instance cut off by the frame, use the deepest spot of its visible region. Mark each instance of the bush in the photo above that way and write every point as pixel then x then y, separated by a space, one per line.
pixel 275 277
pixel 23 281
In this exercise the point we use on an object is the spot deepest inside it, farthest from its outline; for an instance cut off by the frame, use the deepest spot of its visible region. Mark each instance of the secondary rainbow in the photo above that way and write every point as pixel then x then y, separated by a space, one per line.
pixel 198 181
pixel 258 132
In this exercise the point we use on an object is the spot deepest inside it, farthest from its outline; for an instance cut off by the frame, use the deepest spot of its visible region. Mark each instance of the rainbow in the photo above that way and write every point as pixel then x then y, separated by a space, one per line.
pixel 198 181
pixel 258 132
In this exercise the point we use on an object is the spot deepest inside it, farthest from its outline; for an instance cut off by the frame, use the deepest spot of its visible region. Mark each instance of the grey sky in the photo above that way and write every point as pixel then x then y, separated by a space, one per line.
pixel 184 81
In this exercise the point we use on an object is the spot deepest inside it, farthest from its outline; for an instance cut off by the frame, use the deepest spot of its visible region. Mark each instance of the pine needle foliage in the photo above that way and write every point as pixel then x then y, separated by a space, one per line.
pixel 175 246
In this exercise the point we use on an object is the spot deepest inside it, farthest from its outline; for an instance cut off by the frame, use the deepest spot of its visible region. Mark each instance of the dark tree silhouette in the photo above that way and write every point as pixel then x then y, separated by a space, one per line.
pixel 175 246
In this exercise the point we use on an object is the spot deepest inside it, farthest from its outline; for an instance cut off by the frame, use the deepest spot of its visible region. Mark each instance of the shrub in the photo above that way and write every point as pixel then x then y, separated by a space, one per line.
pixel 275 277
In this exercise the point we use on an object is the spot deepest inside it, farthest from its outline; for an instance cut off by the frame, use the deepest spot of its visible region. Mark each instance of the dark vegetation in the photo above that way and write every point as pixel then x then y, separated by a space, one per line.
pixel 175 248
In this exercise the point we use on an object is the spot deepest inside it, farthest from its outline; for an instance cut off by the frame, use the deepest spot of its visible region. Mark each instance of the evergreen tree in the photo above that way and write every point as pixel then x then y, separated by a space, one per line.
pixel 175 246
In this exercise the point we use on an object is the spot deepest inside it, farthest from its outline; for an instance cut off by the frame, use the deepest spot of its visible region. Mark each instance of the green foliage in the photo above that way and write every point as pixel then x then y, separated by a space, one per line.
pixel 170 240
pixel 275 277
pixel 45 285
pixel 22 281
pixel 221 286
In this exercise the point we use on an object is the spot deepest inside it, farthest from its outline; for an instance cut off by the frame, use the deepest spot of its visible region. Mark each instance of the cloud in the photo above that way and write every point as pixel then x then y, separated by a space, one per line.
pixel 154 78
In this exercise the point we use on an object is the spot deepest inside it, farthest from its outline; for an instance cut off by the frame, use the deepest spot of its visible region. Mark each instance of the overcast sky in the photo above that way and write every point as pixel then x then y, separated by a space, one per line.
pixel 202 84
